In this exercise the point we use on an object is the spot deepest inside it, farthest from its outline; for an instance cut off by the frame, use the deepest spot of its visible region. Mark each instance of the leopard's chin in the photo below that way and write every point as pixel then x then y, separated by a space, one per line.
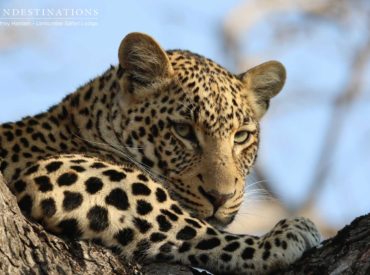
pixel 220 223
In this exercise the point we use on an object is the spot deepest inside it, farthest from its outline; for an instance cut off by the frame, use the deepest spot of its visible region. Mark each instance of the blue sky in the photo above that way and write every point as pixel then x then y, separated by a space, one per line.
pixel 46 63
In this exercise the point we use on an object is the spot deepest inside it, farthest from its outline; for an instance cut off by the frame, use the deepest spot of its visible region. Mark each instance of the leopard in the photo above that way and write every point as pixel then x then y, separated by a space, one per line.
pixel 150 159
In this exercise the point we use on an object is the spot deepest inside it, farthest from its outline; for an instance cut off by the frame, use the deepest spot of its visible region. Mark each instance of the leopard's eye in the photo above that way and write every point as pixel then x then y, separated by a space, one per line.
pixel 241 137
pixel 185 130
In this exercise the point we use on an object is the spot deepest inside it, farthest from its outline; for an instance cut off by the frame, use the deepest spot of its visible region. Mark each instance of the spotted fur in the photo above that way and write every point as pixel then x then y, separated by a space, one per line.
pixel 150 159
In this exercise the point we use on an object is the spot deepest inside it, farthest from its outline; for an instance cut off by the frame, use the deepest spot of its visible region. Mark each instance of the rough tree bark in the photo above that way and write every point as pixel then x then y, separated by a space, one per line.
pixel 25 248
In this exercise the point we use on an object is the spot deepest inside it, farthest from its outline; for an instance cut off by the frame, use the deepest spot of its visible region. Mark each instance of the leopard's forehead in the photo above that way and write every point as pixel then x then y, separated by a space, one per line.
pixel 203 71
pixel 212 97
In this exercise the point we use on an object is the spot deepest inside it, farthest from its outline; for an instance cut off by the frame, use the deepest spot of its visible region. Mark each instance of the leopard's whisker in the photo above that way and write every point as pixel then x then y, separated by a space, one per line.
pixel 104 144
pixel 126 156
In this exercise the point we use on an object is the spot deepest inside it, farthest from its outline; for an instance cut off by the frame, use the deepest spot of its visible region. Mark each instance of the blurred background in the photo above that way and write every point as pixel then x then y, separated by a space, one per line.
pixel 315 150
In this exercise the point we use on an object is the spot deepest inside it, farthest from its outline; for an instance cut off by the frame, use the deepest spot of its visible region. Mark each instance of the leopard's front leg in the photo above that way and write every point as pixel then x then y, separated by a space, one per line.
pixel 124 209
pixel 199 244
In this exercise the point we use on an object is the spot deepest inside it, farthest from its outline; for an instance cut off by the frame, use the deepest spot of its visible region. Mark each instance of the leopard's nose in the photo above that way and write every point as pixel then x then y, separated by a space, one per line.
pixel 215 198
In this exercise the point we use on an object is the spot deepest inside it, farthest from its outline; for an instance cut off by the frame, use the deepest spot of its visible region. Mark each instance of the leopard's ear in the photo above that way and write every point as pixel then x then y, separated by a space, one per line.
pixel 262 83
pixel 143 59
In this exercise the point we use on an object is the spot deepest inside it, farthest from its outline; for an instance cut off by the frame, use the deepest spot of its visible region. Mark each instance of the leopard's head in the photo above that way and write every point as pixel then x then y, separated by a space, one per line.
pixel 190 122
